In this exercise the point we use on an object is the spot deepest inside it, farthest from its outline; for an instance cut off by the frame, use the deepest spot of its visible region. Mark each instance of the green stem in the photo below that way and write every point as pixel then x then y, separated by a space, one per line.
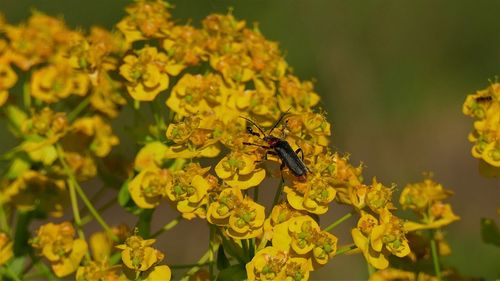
pixel 101 209
pixel 26 96
pixel 78 109
pixel 339 221
pixel 4 225
pixel 144 223
pixel 345 249
pixel 201 262
pixel 435 258
pixel 167 227
pixel 182 266
pixel 371 269
pixel 82 195
pixel 212 252
pixel 76 213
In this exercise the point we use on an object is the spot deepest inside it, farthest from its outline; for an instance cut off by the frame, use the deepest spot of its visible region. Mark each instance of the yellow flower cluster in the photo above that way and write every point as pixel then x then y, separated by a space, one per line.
pixel 426 200
pixel 56 243
pixel 138 255
pixel 484 107
pixel 233 103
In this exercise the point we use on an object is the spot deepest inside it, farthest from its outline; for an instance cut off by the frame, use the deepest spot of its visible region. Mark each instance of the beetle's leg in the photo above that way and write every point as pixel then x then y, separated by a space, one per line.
pixel 265 156
pixel 282 166
pixel 299 150
pixel 302 157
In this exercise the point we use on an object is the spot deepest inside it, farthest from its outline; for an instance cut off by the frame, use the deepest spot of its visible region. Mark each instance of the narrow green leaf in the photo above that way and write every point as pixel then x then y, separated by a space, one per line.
pixel 222 260
pixel 123 194
pixel 235 272
pixel 490 232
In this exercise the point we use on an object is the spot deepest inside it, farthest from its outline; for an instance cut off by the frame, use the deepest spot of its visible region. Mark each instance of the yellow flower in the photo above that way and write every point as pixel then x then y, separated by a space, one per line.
pixel 137 253
pixel 297 269
pixel 313 195
pixel 149 186
pixel 419 196
pixel 184 44
pixel 38 40
pixel 91 132
pixel 160 272
pixel 146 19
pixel 379 197
pixel 279 214
pixel 228 200
pixel 6 252
pixel 8 79
pixel 484 106
pixel 325 247
pixel 267 264
pixel 197 94
pixel 34 190
pixel 150 156
pixel 296 94
pixel 246 220
pixel 146 73
pixel 379 238
pixel 94 53
pixel 238 170
pixel 101 245
pixel 424 198
pixel 41 131
pixel 309 131
pixel 439 215
pixel 105 95
pixel 297 234
pixel 192 138
pixel 93 271
pixel 189 191
pixel 57 81
pixel 56 243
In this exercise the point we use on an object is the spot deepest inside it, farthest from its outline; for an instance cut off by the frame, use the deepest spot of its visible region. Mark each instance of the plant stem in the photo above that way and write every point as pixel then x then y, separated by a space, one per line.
pixel 4 225
pixel 212 251
pixel 167 227
pixel 345 249
pixel 201 262
pixel 182 266
pixel 435 257
pixel 256 194
pixel 76 213
pixel 339 221
pixel 371 270
pixel 82 195
pixel 78 109
pixel 104 207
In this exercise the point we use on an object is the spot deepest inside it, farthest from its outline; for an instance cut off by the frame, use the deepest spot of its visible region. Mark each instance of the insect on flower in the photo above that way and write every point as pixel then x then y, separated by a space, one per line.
pixel 281 148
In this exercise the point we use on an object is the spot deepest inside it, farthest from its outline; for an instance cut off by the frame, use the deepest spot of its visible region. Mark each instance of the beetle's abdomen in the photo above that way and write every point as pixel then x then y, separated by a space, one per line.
pixel 290 158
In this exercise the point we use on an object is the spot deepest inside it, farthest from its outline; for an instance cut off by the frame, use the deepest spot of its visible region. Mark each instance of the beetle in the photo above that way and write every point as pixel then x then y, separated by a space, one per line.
pixel 281 148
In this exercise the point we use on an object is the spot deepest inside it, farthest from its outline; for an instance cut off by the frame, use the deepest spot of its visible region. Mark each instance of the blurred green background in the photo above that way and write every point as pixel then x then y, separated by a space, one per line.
pixel 392 75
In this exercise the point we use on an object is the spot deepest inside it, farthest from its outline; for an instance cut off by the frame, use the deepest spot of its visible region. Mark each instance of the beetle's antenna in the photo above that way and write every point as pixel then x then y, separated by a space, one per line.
pixel 253 123
pixel 279 120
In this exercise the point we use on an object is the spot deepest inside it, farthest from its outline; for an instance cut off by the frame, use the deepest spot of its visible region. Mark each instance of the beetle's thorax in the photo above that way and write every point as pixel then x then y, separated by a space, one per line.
pixel 272 141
